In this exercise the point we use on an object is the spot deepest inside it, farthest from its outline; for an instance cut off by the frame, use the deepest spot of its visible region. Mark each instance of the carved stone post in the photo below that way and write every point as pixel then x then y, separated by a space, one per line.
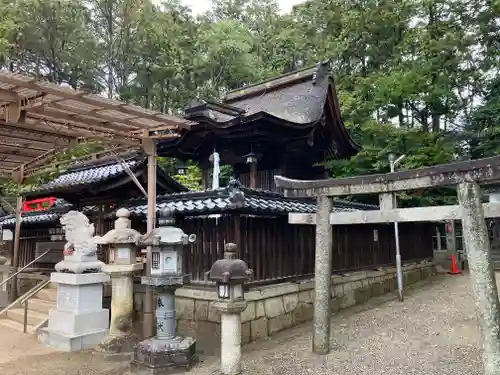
pixel 477 244
pixel 122 268
pixel 79 321
pixel 322 276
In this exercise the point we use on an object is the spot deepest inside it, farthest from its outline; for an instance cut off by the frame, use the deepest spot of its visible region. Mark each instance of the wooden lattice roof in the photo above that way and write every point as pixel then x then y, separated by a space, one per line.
pixel 38 118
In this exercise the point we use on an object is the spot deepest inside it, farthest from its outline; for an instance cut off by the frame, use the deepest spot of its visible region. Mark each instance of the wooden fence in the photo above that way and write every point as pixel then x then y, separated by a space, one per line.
pixel 275 250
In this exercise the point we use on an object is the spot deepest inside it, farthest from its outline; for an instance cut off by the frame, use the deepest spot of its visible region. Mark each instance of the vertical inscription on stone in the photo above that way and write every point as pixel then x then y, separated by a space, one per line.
pixel 160 302
pixel 65 299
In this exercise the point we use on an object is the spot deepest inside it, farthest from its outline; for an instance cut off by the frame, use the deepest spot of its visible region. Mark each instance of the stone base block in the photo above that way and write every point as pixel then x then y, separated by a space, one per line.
pixel 4 299
pixel 71 343
pixel 71 323
pixel 118 348
pixel 153 356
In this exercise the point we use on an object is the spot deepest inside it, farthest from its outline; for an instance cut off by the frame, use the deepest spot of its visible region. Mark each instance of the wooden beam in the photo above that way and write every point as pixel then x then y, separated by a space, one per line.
pixel 39 131
pixel 34 164
pixel 86 124
pixel 55 130
pixel 21 139
pixel 23 148
pixel 401 215
pixel 9 96
pixel 15 157
pixel 479 170
pixel 9 164
pixel 103 119
pixel 90 99
pixel 13 112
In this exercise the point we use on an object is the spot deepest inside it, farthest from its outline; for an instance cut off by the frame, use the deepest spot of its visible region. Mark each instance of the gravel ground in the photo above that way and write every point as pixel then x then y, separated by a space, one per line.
pixel 433 332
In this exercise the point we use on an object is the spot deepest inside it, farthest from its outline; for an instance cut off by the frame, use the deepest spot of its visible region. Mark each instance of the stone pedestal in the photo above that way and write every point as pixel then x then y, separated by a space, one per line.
pixel 165 352
pixel 230 326
pixel 120 343
pixel 79 321
pixel 4 275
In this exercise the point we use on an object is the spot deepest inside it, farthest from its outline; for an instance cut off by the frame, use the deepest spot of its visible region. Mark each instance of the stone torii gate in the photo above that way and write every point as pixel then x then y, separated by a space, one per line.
pixel 466 175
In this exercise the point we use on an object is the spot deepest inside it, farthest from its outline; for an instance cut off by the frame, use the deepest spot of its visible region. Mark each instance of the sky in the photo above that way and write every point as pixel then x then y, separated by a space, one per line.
pixel 200 6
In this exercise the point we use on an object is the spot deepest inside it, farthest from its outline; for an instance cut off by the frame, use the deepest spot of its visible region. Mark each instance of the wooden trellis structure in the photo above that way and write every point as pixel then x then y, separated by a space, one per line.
pixel 39 119
pixel 466 175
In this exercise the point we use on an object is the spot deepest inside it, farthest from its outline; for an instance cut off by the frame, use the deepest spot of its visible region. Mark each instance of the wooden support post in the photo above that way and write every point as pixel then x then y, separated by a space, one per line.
pixel 150 149
pixel 477 244
pixel 237 234
pixel 322 276
pixel 253 175
pixel 205 177
pixel 18 178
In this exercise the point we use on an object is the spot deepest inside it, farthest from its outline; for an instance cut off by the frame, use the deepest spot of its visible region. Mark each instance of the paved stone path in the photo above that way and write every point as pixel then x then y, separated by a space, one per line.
pixel 433 332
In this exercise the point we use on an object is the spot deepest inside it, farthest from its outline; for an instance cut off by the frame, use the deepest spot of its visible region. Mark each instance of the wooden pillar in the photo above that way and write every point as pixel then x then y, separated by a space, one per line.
pixel 205 178
pixel 477 244
pixel 100 221
pixel 237 233
pixel 251 160
pixel 253 175
pixel 149 147
pixel 18 177
pixel 322 276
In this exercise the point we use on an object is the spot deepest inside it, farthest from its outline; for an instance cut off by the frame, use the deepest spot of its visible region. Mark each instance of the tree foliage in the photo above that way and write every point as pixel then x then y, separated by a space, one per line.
pixel 414 76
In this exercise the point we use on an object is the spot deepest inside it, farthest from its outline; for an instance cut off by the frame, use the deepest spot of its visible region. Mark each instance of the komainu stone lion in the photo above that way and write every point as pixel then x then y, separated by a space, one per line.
pixel 79 232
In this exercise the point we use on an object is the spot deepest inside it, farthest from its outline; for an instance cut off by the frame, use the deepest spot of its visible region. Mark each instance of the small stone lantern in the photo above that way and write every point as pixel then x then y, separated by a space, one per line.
pixel 230 274
pixel 122 268
pixel 166 350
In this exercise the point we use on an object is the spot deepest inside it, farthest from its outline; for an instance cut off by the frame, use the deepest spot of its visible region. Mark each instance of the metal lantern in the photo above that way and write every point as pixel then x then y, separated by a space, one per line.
pixel 230 274
pixel 181 167
pixel 251 158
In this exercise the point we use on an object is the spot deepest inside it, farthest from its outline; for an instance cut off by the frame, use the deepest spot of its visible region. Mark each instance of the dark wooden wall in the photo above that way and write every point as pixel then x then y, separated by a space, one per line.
pixel 275 250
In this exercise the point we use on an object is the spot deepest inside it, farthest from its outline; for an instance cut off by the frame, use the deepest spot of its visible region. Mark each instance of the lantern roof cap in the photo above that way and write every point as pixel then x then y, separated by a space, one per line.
pixel 167 234
pixel 122 233
pixel 230 268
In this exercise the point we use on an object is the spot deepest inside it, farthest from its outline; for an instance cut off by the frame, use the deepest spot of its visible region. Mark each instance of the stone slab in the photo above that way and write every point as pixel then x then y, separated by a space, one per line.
pixel 73 324
pixel 79 279
pixel 121 269
pixel 153 356
pixel 79 298
pixel 71 343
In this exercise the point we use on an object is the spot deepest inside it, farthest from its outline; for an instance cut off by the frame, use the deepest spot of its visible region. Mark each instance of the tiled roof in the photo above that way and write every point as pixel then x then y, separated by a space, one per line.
pixel 82 175
pixel 85 175
pixel 251 202
pixel 224 200
pixel 36 217
pixel 292 105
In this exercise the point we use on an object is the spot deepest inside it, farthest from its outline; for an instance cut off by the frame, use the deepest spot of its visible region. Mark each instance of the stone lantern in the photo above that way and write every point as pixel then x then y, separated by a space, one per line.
pixel 122 268
pixel 230 274
pixel 166 350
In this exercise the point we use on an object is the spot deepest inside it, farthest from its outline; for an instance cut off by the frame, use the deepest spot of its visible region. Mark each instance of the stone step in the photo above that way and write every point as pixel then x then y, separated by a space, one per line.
pixel 34 317
pixel 47 294
pixel 40 305
pixel 12 324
